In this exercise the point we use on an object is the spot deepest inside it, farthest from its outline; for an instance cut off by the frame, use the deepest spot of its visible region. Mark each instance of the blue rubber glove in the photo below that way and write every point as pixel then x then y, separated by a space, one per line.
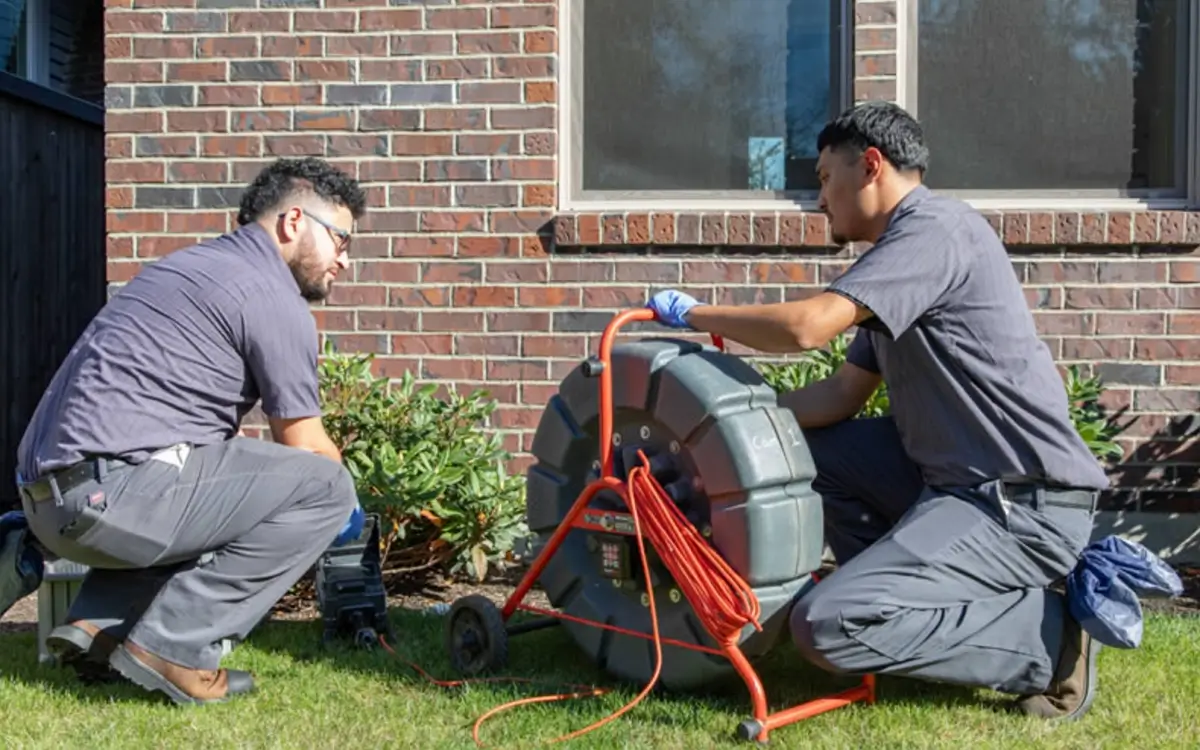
pixel 354 526
pixel 672 307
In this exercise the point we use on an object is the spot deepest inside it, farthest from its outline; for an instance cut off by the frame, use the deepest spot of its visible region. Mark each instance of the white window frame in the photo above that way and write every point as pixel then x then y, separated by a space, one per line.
pixel 570 133
pixel 1051 200
pixel 37 42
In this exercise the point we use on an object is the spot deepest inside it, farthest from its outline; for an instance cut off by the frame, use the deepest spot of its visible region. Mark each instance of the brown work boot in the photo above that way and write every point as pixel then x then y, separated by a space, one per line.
pixel 85 648
pixel 1071 690
pixel 181 684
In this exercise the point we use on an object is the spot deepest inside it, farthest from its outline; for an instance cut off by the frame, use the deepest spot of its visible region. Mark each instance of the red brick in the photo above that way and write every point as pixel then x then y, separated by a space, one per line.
pixel 1066 227
pixel 485 296
pixel 1166 349
pixel 459 18
pixel 254 22
pixel 387 272
pixel 1120 227
pixel 1125 324
pixel 1094 227
pixel 712 229
pixel 387 20
pixel 1183 324
pixel 120 271
pixel 243 47
pixel 423 343
pixel 122 22
pixel 386 320
pixel 554 346
pixel 1183 375
pixel 465 369
pixel 1016 228
pixel 816 230
pixel 490 345
pixel 1145 227
pixel 518 320
pixel 637 229
pixel 121 197
pixel 344 294
pixel 1105 298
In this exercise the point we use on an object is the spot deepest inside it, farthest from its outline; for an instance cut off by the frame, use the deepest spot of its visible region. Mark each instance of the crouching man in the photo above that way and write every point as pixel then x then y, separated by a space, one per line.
pixel 954 520
pixel 131 463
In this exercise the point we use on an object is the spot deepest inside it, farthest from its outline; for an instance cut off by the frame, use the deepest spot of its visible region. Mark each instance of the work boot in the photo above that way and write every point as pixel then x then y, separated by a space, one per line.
pixel 183 685
pixel 85 648
pixel 1073 686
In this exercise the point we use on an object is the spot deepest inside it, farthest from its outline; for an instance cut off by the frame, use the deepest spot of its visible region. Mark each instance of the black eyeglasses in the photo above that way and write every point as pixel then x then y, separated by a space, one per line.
pixel 341 236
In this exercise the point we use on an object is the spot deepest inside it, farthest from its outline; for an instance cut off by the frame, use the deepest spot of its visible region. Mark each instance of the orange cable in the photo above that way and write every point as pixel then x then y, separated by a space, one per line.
pixel 721 599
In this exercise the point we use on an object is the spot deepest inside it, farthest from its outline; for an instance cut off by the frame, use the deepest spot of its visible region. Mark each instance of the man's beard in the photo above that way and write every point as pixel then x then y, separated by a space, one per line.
pixel 309 273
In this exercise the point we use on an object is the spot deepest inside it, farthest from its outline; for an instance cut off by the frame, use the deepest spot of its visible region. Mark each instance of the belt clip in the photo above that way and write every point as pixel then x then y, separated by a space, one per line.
pixel 58 498
pixel 1039 498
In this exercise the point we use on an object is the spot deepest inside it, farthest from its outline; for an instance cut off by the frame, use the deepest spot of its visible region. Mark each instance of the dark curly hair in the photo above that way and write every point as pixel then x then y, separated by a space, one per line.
pixel 884 125
pixel 281 180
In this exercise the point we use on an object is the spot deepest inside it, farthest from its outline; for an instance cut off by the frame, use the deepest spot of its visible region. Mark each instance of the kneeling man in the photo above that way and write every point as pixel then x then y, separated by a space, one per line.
pixel 954 520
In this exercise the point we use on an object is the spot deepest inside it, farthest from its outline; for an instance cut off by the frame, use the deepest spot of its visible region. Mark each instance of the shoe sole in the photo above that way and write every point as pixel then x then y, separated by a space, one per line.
pixel 137 672
pixel 71 647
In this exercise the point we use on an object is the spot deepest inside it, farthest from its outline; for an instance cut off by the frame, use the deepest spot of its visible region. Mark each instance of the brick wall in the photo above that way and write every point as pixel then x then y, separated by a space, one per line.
pixel 466 274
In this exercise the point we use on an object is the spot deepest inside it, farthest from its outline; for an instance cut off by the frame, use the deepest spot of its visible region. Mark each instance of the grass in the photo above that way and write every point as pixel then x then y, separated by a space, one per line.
pixel 311 697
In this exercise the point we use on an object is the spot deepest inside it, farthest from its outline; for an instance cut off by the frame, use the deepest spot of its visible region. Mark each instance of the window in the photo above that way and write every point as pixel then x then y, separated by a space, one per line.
pixel 56 43
pixel 698 99
pixel 1089 99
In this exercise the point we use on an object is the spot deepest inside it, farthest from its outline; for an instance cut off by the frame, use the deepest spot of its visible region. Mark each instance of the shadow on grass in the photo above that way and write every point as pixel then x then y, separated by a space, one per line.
pixel 551 658
pixel 19 663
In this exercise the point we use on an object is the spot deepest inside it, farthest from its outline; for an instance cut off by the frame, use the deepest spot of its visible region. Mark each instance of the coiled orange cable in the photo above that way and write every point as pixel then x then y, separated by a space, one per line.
pixel 723 601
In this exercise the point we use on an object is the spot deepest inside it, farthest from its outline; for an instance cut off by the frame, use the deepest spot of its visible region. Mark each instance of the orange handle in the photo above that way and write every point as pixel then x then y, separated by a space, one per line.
pixel 606 396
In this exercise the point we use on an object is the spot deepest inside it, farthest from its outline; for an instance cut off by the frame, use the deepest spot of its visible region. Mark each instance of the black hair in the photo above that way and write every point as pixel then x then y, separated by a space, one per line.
pixel 884 125
pixel 277 182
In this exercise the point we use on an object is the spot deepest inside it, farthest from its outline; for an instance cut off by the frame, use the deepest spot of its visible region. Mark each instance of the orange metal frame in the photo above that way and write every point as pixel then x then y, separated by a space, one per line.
pixel 576 519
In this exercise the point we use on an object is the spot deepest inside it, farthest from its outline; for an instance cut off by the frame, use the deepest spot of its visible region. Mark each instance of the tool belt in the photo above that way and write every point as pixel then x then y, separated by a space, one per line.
pixel 1038 496
pixel 55 483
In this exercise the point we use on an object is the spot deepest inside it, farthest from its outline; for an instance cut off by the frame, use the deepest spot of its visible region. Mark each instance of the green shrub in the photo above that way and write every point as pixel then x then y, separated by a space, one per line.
pixel 1096 429
pixel 1083 394
pixel 427 465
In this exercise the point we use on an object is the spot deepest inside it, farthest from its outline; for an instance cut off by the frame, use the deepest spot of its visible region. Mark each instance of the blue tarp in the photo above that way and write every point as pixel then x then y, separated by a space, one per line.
pixel 21 564
pixel 1103 589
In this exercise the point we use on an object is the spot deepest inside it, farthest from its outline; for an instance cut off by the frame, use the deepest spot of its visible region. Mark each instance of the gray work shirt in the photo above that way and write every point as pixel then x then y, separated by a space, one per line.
pixel 180 355
pixel 974 392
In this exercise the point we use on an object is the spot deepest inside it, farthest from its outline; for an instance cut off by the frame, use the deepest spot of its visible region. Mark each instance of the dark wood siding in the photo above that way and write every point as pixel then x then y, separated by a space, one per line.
pixel 52 246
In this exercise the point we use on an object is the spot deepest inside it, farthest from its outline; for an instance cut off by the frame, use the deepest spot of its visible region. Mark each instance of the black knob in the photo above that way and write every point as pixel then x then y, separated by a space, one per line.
pixel 593 366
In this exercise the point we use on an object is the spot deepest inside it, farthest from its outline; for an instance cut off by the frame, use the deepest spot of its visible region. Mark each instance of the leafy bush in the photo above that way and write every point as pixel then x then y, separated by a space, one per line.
pixel 426 465
pixel 1096 429
pixel 1083 394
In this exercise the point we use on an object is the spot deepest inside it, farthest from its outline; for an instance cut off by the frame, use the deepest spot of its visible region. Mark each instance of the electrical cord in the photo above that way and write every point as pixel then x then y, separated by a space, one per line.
pixel 723 602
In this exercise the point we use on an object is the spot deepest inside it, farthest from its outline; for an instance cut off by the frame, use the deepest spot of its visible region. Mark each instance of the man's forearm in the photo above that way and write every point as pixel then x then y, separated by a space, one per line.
pixel 780 328
pixel 817 405
pixel 768 328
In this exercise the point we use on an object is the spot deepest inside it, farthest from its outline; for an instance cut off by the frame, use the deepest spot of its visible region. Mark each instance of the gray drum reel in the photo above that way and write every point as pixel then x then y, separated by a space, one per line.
pixel 733 460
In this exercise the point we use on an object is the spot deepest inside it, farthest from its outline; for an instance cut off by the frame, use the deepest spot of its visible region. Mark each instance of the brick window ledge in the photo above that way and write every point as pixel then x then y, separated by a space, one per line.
pixel 801 229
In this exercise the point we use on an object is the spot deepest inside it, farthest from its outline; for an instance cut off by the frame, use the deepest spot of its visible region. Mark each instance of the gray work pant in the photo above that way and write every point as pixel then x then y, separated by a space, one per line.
pixel 945 585
pixel 185 556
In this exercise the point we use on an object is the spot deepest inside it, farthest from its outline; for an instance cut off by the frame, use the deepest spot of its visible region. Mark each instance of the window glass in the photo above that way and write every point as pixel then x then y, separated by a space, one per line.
pixel 704 95
pixel 1046 94
pixel 12 36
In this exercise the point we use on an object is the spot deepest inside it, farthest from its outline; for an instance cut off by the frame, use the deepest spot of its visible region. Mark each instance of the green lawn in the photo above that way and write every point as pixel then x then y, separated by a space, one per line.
pixel 313 698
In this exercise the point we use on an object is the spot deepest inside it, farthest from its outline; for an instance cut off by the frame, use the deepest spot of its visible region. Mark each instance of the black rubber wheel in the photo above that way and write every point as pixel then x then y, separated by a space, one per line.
pixel 476 638
pixel 749 730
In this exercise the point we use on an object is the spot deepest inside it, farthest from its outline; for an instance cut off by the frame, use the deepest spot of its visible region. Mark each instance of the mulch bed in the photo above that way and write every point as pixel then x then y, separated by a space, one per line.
pixel 421 593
